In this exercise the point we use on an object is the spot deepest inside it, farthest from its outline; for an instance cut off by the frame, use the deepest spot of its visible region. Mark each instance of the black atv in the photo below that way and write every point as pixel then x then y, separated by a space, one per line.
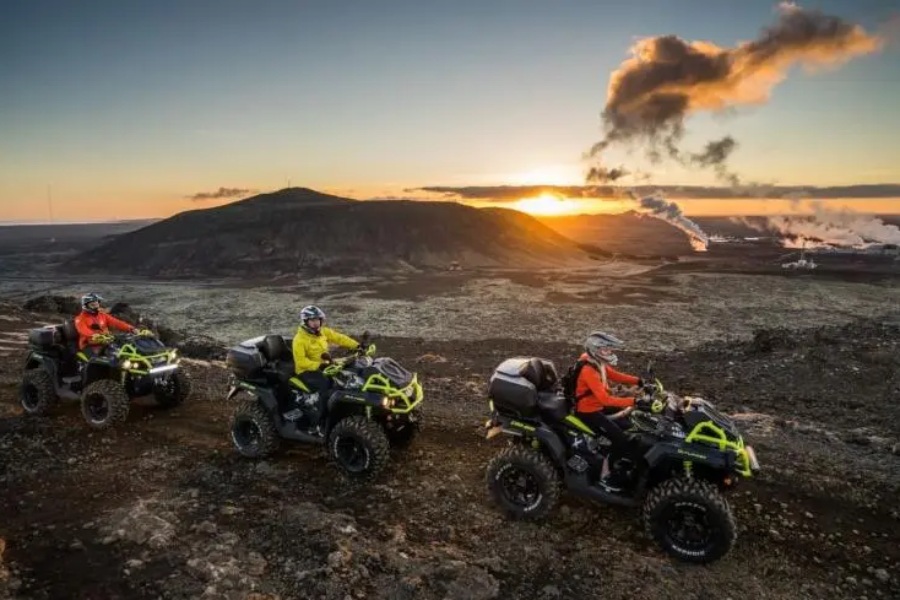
pixel 676 462
pixel 373 404
pixel 132 365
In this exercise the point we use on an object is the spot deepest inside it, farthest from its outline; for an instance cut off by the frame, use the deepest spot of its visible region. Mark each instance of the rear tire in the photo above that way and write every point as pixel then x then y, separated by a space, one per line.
pixel 37 392
pixel 690 520
pixel 359 448
pixel 253 431
pixel 176 392
pixel 105 404
pixel 523 482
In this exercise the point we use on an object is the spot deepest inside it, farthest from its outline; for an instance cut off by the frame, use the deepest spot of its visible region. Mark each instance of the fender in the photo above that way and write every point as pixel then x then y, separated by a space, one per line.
pixel 550 440
pixel 35 360
pixel 286 429
pixel 679 453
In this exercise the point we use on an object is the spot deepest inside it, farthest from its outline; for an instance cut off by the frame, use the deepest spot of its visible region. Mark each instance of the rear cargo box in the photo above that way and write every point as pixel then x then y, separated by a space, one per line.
pixel 510 392
pixel 42 339
pixel 245 363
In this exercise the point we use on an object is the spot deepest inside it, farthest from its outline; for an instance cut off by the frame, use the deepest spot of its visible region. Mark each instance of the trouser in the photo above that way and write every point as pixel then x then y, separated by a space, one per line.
pixel 318 383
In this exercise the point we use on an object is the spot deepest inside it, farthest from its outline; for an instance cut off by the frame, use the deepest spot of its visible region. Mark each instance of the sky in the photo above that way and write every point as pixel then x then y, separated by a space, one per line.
pixel 128 109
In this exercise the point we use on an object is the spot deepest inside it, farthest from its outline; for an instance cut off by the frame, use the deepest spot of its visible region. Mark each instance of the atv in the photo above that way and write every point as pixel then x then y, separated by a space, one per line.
pixel 675 460
pixel 131 366
pixel 373 405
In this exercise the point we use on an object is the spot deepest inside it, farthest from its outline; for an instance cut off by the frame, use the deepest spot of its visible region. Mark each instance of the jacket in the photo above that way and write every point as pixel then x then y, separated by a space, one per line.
pixel 592 391
pixel 85 322
pixel 309 347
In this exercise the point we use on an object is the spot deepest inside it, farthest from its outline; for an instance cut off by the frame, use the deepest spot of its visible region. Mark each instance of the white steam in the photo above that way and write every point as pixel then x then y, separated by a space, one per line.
pixel 836 228
pixel 658 207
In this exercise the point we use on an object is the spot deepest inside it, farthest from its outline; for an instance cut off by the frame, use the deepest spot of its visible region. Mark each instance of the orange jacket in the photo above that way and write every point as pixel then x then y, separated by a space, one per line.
pixel 85 321
pixel 593 394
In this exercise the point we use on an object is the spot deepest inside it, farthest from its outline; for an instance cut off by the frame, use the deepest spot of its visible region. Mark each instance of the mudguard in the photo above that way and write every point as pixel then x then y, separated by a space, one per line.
pixel 266 397
pixel 662 453
pixel 35 360
pixel 548 438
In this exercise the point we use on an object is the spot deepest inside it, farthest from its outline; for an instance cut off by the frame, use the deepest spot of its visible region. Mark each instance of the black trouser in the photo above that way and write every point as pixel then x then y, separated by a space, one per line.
pixel 317 382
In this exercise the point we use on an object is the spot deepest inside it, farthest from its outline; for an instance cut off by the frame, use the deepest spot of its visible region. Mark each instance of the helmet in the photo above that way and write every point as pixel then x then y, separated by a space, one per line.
pixel 88 299
pixel 601 346
pixel 311 312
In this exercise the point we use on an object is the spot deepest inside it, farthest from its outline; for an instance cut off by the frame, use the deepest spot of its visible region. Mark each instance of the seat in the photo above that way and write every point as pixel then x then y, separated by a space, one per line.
pixel 541 373
pixel 553 405
pixel 280 359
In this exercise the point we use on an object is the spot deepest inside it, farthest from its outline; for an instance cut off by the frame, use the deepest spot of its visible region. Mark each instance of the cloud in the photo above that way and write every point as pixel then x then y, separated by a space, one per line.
pixel 512 193
pixel 220 193
pixel 667 79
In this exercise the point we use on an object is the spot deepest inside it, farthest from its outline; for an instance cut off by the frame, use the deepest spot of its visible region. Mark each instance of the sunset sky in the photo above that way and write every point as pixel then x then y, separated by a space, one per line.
pixel 127 109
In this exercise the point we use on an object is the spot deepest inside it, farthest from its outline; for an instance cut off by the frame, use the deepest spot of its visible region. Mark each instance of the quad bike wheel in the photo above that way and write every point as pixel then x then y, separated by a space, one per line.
pixel 401 436
pixel 523 482
pixel 690 520
pixel 105 404
pixel 37 392
pixel 253 431
pixel 359 448
pixel 174 390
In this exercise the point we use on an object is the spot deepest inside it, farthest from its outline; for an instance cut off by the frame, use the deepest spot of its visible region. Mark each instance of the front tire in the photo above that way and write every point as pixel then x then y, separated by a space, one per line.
pixel 359 448
pixel 253 431
pixel 105 404
pixel 37 392
pixel 175 391
pixel 523 482
pixel 690 520
pixel 402 436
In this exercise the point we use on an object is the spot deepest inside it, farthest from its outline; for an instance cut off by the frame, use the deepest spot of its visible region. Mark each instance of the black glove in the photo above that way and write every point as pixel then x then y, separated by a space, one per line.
pixel 641 383
pixel 643 403
pixel 325 360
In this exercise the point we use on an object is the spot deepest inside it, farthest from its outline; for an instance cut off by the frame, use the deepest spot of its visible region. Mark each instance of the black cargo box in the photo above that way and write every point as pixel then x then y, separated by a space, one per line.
pixel 510 391
pixel 44 338
pixel 245 363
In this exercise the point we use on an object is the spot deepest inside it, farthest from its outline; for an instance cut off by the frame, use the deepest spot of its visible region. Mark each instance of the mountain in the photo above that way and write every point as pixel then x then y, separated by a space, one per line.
pixel 301 230
pixel 626 233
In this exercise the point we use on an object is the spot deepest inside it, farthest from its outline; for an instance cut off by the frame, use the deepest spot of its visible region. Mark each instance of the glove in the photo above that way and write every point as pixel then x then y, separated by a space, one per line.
pixel 641 383
pixel 325 361
pixel 643 403
pixel 144 332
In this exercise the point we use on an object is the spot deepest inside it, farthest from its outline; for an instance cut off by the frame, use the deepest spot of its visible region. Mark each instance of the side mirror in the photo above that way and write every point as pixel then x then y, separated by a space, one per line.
pixel 365 338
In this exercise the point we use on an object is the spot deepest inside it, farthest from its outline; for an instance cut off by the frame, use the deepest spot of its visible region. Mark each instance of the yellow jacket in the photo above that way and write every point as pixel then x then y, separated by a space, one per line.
pixel 309 347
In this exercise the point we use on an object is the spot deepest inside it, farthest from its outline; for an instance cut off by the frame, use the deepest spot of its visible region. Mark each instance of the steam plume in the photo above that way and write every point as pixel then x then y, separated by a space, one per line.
pixel 660 208
pixel 836 228
pixel 667 79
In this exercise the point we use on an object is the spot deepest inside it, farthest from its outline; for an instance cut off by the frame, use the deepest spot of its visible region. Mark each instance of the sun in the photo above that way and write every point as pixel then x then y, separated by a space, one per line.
pixel 546 205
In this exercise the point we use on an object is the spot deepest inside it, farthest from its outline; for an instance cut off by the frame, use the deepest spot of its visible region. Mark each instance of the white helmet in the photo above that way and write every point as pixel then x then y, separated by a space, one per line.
pixel 601 346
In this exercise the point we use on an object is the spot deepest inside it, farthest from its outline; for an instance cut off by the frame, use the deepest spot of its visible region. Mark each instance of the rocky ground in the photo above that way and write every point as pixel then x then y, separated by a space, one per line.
pixel 163 508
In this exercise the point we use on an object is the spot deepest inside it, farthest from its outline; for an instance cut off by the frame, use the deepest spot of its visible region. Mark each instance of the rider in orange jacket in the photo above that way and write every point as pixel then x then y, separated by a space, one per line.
pixel 91 323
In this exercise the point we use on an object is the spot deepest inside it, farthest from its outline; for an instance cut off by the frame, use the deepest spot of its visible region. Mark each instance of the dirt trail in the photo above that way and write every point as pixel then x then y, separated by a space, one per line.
pixel 164 508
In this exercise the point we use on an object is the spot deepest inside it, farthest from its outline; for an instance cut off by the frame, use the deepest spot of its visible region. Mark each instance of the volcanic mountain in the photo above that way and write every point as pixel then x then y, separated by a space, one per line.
pixel 627 233
pixel 301 230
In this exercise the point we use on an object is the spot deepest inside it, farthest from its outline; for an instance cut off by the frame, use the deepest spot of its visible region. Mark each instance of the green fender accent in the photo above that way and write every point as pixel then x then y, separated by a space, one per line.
pixel 297 383
pixel 579 424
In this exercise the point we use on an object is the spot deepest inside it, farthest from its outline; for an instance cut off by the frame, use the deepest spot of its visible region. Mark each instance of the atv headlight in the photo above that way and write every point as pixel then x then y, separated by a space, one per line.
pixel 387 402
pixel 127 365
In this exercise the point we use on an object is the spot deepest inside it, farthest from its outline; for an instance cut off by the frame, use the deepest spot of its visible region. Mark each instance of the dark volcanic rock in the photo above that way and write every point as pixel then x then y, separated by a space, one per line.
pixel 64 305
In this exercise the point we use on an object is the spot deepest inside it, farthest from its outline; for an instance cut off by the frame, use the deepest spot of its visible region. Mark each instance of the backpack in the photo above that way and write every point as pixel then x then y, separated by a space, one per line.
pixel 569 381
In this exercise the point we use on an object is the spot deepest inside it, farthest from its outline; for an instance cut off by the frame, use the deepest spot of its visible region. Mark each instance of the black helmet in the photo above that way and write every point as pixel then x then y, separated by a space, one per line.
pixel 311 312
pixel 88 299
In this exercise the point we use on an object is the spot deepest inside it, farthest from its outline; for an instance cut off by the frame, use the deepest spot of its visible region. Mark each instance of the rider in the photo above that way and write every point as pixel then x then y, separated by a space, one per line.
pixel 92 324
pixel 594 402
pixel 310 349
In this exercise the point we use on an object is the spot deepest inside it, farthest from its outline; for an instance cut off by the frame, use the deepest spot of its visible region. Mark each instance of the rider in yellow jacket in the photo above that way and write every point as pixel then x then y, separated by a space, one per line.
pixel 312 340
pixel 310 350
